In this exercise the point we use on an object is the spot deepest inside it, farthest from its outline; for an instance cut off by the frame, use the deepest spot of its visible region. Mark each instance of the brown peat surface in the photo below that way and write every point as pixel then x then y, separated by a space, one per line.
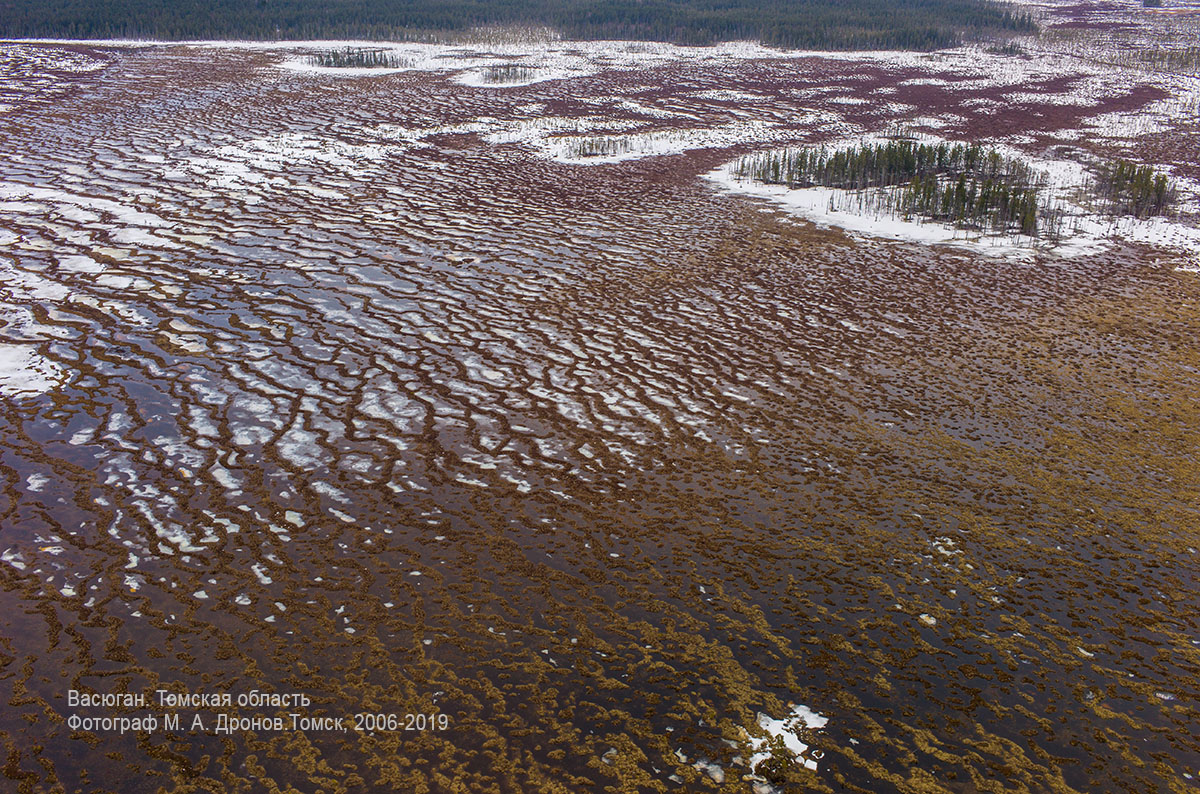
pixel 467 403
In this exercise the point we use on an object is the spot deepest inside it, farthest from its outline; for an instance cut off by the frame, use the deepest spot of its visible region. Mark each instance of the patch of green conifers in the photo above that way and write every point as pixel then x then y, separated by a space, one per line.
pixel 599 146
pixel 818 24
pixel 1126 188
pixel 967 185
pixel 963 184
pixel 508 73
pixel 359 57
pixel 879 165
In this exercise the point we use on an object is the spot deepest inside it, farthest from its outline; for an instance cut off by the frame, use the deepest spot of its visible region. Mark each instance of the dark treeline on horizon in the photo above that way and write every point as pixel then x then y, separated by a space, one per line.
pixel 817 24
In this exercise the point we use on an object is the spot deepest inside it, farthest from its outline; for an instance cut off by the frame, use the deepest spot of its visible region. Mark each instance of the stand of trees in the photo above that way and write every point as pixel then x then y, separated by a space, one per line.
pixel 371 59
pixel 1183 59
pixel 883 164
pixel 1125 188
pixel 964 184
pixel 507 73
pixel 818 24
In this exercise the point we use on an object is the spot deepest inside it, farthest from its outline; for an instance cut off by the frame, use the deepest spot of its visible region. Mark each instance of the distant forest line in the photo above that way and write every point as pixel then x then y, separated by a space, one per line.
pixel 815 24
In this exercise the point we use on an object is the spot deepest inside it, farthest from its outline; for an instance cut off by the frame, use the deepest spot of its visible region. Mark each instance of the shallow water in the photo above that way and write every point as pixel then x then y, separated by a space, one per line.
pixel 309 389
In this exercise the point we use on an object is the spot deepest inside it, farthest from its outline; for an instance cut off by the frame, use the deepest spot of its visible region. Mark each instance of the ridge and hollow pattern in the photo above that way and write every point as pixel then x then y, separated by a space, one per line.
pixel 312 385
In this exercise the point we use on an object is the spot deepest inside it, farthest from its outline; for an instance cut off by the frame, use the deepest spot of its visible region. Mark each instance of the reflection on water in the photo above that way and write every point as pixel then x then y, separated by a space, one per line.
pixel 621 475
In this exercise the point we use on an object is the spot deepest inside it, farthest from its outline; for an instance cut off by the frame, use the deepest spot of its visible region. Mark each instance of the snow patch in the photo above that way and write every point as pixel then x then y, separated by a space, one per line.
pixel 789 731
pixel 24 371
